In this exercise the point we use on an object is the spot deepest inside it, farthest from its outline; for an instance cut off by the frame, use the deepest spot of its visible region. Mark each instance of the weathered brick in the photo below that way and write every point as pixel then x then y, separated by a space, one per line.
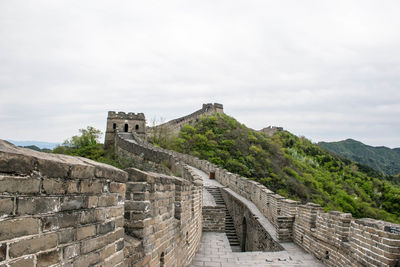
pixel 52 168
pixel 80 171
pixel 105 228
pixel 6 206
pixel 55 186
pixel 20 227
pixel 74 203
pixel 114 260
pixel 108 200
pixel 3 252
pixel 87 260
pixel 110 172
pixel 16 163
pixel 49 223
pixel 107 251
pixel 92 202
pixel 86 231
pixel 92 216
pixel 48 258
pixel 68 219
pixel 66 236
pixel 22 185
pixel 118 188
pixel 33 245
pixel 99 242
pixel 37 205
pixel 71 251
pixel 23 262
pixel 116 211
pixel 119 245
pixel 91 187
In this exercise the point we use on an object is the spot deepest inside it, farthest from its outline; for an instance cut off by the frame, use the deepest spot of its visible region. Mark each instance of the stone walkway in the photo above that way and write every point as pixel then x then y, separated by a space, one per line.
pixel 215 250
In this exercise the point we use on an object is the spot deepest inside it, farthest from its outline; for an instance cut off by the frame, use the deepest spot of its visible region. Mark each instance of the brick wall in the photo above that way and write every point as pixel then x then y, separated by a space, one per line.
pixel 335 238
pixel 214 219
pixel 164 213
pixel 59 209
pixel 248 226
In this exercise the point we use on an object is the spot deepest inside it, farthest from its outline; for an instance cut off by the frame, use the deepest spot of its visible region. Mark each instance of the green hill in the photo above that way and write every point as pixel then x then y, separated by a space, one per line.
pixel 290 166
pixel 381 158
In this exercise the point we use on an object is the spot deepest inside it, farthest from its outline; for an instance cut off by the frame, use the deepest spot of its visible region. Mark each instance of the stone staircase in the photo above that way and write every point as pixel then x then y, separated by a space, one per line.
pixel 229 226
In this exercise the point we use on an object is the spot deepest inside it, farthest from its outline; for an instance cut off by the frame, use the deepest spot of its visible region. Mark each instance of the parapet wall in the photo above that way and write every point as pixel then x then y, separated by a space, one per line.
pixel 335 238
pixel 57 209
pixel 164 213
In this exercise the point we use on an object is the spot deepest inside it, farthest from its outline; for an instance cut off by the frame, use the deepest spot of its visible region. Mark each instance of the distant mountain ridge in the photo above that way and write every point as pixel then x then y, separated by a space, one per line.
pixel 381 158
pixel 39 144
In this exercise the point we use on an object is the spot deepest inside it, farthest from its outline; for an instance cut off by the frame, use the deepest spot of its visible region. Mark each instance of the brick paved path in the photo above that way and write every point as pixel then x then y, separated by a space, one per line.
pixel 215 251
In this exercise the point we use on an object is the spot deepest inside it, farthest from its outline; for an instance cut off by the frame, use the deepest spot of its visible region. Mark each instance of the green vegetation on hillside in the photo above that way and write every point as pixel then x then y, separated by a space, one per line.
pixel 383 159
pixel 291 166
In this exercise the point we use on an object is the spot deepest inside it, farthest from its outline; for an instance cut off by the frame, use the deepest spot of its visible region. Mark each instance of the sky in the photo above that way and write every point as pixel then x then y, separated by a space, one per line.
pixel 326 70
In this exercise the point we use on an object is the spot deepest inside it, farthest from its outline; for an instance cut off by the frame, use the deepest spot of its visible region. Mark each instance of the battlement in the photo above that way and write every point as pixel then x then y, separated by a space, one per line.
pixel 125 116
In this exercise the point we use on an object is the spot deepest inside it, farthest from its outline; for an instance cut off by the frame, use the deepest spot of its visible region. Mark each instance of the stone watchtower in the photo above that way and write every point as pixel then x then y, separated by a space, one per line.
pixel 124 122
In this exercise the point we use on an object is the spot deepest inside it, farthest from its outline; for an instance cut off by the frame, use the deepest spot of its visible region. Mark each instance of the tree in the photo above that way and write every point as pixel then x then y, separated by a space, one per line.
pixel 85 145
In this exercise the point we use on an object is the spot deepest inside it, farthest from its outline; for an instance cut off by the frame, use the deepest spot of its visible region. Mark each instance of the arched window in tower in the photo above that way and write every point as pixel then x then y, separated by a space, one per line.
pixel 114 126
pixel 126 128
pixel 137 127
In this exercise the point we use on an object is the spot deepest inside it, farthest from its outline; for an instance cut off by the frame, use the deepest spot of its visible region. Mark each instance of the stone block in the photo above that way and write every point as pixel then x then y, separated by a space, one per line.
pixel 108 200
pixel 67 219
pixel 10 229
pixel 66 236
pixel 16 163
pixel 48 258
pixel 33 245
pixel 92 201
pixel 85 232
pixel 105 228
pixel 22 185
pixel 53 186
pixel 91 187
pixel 119 188
pixel 92 216
pixel 37 205
pixel 23 262
pixel 87 260
pixel 49 223
pixel 71 251
pixel 82 171
pixel 74 203
pixel 6 206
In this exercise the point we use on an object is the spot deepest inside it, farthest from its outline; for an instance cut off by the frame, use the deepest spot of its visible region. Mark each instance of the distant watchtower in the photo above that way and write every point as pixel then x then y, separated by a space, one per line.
pixel 124 122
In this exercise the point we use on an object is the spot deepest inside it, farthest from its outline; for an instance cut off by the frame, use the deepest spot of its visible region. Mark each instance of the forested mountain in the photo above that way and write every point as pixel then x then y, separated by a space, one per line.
pixel 290 166
pixel 380 158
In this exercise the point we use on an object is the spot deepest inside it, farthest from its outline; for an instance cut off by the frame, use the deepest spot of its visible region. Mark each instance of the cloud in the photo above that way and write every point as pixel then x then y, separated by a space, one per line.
pixel 327 71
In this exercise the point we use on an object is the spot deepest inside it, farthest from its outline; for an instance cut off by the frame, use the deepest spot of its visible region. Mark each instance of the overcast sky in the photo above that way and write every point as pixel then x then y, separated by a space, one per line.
pixel 327 70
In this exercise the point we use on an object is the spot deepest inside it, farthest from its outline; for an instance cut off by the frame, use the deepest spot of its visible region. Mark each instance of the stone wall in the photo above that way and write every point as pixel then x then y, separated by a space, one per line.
pixel 251 233
pixel 339 240
pixel 175 125
pixel 58 209
pixel 164 213
pixel 322 234
pixel 214 219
